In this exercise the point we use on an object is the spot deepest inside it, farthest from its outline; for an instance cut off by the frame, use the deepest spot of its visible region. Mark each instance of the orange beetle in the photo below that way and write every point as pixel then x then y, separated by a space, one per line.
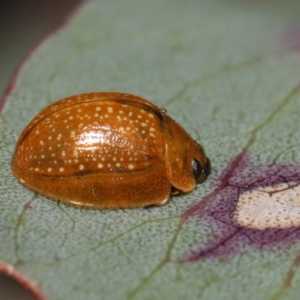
pixel 108 150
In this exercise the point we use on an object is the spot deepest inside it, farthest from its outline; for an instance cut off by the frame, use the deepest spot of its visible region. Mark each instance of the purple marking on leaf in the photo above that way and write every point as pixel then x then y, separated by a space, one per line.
pixel 28 206
pixel 217 209
pixel 291 38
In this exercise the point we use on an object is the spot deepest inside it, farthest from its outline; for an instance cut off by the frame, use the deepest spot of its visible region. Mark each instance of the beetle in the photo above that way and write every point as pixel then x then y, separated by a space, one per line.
pixel 108 150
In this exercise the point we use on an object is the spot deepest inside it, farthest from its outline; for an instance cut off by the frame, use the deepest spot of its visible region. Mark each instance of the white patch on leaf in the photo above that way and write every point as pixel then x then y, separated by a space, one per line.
pixel 269 207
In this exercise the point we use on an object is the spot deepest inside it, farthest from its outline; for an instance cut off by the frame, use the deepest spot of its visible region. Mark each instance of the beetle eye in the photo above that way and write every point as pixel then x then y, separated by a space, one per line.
pixel 197 168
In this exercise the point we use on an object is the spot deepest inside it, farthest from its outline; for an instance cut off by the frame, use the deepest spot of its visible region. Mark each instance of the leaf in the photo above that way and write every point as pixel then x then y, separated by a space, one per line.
pixel 229 73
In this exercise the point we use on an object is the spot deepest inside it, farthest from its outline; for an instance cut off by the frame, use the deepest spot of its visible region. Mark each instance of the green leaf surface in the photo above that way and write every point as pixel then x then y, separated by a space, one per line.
pixel 229 73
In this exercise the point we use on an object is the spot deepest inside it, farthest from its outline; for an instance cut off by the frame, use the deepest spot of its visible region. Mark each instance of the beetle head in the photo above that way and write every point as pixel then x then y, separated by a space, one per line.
pixel 187 161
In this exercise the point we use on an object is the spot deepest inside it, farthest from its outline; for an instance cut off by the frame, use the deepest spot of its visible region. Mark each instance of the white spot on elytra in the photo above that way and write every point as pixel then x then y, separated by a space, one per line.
pixel 130 166
pixel 61 169
pixel 110 109
pixel 143 124
pixel 81 167
pixel 49 169
pixel 100 165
